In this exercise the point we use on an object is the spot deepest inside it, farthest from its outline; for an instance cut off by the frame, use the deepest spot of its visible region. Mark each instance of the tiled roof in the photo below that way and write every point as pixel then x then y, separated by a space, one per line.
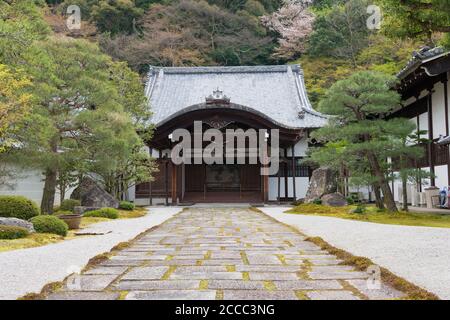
pixel 277 92
pixel 419 57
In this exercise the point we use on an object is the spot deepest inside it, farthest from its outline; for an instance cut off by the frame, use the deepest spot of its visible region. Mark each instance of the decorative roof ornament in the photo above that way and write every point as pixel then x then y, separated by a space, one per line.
pixel 217 97
pixel 301 114
pixel 218 123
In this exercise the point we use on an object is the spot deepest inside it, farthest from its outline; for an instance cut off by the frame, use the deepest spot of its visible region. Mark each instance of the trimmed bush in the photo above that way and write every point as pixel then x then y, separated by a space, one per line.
pixel 317 201
pixel 12 232
pixel 360 209
pixel 69 204
pixel 61 212
pixel 350 201
pixel 109 213
pixel 17 207
pixel 126 205
pixel 50 224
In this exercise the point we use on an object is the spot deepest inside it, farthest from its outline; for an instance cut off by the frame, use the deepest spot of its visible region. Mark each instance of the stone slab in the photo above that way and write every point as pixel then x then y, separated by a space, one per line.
pixel 331 295
pixel 146 273
pixel 172 295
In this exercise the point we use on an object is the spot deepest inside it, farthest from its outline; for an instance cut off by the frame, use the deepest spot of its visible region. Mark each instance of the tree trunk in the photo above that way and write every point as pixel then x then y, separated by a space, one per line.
pixel 404 193
pixel 378 199
pixel 48 197
pixel 62 190
pixel 382 182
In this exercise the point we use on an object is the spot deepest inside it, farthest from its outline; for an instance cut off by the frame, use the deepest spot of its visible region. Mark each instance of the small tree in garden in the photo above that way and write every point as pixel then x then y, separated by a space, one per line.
pixel 405 154
pixel 357 105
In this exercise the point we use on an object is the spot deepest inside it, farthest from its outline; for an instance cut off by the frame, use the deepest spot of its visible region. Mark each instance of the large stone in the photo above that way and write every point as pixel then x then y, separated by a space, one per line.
pixel 17 223
pixel 92 195
pixel 334 200
pixel 323 181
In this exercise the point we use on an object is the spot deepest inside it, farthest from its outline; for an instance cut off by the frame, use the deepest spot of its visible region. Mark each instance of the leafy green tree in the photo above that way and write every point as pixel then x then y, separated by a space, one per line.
pixel 78 117
pixel 21 23
pixel 356 105
pixel 116 16
pixel 407 150
pixel 15 103
pixel 416 18
pixel 341 31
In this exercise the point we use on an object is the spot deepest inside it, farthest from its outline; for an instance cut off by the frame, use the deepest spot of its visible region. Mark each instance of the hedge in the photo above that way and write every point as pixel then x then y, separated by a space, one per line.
pixel 126 205
pixel 49 224
pixel 17 207
pixel 109 213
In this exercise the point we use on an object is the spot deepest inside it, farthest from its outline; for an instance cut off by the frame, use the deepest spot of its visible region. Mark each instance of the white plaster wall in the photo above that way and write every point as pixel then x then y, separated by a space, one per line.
pixel 441 176
pixel 300 148
pixel 423 123
pixel 301 186
pixel 438 110
pixel 30 184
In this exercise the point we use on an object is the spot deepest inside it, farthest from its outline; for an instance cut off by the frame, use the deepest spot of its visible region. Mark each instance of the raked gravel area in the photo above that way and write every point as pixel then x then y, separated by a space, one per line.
pixel 28 270
pixel 418 254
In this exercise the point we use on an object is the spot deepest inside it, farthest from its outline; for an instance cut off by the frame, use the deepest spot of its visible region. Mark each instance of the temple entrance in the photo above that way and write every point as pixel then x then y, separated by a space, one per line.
pixel 222 183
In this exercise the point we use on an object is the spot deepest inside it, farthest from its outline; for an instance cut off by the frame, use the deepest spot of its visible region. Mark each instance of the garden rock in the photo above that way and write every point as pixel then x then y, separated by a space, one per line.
pixel 334 200
pixel 92 195
pixel 323 181
pixel 17 223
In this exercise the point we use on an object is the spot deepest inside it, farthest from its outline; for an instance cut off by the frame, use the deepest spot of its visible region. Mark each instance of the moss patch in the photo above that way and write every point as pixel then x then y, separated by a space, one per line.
pixel 203 284
pixel 372 215
pixel 30 241
pixel 412 291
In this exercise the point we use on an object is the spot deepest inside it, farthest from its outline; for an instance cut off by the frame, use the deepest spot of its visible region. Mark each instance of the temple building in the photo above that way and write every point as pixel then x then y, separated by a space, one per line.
pixel 424 88
pixel 223 98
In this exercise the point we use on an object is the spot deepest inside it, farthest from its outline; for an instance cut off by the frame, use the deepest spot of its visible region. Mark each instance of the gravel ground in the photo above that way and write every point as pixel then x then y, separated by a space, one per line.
pixel 28 270
pixel 418 254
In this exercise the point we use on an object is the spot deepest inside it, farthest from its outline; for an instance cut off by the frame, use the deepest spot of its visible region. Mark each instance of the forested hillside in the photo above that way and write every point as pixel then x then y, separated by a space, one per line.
pixel 330 38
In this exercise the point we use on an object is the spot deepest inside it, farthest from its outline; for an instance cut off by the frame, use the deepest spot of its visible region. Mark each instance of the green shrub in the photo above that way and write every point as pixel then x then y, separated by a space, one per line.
pixel 350 201
pixel 17 207
pixel 317 201
pixel 360 209
pixel 49 224
pixel 12 232
pixel 109 213
pixel 69 204
pixel 126 205
pixel 61 212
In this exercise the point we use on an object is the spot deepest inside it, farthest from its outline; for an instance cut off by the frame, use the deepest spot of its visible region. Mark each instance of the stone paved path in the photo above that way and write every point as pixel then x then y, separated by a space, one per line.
pixel 223 253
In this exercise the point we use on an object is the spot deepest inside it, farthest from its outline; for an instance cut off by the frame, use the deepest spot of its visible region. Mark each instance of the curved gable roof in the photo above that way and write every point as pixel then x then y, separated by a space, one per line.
pixel 275 91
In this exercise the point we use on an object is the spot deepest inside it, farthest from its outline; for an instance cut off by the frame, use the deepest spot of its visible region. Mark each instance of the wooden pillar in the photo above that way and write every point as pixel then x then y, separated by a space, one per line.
pixel 266 184
pixel 286 194
pixel 447 131
pixel 174 183
pixel 430 137
pixel 150 197
pixel 293 173
pixel 166 181
pixel 279 185
pixel 419 187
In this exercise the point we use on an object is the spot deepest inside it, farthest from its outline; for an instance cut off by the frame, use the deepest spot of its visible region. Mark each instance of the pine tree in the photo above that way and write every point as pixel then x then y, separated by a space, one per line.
pixel 357 106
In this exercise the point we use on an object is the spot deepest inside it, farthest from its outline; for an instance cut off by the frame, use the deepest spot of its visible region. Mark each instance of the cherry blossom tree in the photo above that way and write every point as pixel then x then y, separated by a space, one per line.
pixel 294 23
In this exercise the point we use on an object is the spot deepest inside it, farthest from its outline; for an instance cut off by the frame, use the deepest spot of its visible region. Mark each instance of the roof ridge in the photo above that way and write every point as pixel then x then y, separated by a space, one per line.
pixel 226 69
